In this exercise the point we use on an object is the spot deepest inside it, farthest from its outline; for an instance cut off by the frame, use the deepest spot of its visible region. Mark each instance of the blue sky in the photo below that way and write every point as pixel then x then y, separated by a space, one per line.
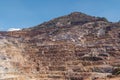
pixel 28 13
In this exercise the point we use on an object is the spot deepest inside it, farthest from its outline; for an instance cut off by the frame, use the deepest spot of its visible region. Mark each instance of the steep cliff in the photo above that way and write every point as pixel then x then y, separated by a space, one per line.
pixel 72 47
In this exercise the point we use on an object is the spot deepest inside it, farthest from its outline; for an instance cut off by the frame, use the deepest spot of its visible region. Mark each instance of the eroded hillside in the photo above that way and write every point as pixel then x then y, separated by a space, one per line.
pixel 71 47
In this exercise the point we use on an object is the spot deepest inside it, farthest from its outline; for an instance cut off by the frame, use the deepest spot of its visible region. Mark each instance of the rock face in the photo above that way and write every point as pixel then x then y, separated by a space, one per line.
pixel 71 47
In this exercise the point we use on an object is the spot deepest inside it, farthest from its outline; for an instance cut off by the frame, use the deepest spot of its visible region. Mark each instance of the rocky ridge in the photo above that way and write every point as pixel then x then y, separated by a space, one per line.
pixel 72 47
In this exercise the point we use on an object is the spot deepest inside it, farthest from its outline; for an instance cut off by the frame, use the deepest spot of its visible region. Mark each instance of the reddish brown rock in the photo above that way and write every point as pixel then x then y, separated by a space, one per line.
pixel 71 47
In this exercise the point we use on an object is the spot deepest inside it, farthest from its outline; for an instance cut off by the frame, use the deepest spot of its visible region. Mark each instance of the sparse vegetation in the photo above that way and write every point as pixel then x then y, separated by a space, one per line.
pixel 116 71
pixel 50 51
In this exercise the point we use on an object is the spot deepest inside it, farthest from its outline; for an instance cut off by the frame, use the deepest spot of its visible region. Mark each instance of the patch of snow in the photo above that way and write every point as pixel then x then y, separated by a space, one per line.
pixel 14 29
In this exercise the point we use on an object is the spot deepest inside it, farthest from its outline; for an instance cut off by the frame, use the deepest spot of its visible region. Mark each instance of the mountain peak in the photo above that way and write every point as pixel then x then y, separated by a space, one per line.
pixel 74 18
pixel 76 13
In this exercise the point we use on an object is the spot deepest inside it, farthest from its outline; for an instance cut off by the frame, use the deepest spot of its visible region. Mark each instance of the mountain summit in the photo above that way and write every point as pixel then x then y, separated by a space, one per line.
pixel 75 18
pixel 72 47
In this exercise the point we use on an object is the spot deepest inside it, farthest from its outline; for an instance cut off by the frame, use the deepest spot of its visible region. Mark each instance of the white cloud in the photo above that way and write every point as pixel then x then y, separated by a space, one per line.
pixel 14 29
